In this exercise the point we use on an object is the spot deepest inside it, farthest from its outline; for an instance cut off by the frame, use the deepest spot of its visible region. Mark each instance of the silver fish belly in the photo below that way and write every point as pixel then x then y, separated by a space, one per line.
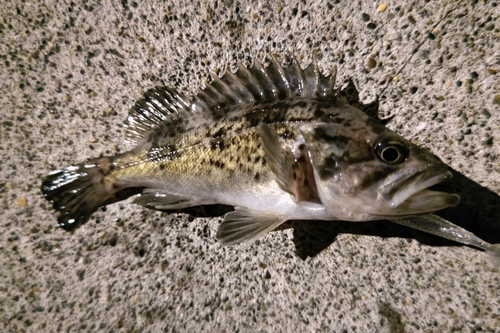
pixel 274 142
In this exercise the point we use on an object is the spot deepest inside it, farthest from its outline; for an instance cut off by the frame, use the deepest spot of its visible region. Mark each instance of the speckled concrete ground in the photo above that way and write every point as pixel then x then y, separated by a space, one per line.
pixel 70 71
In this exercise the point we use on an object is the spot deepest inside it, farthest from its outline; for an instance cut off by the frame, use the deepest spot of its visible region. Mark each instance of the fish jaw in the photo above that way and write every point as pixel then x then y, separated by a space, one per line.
pixel 370 205
pixel 410 195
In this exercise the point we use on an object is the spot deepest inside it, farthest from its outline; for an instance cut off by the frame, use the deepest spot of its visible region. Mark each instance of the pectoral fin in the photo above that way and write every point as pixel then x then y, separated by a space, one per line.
pixel 294 171
pixel 281 161
pixel 244 225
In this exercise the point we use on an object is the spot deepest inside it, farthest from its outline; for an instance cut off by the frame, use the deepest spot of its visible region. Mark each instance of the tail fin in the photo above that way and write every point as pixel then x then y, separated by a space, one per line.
pixel 78 191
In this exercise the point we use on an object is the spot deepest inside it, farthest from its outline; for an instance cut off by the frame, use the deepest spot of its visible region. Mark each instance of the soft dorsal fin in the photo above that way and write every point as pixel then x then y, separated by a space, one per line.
pixel 164 110
pixel 160 106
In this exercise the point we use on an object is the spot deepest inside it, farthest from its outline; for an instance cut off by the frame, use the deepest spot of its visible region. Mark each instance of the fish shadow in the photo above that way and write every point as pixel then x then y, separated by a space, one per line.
pixel 477 213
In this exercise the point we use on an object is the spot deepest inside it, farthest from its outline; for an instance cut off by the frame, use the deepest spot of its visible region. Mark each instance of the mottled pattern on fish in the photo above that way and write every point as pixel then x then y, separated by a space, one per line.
pixel 274 142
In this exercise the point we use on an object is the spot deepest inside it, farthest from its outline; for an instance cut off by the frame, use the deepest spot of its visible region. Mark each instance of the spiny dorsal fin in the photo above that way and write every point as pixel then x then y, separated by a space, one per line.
pixel 163 110
pixel 258 84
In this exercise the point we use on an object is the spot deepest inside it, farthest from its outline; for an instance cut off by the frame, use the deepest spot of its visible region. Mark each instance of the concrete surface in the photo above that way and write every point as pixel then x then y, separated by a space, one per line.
pixel 69 71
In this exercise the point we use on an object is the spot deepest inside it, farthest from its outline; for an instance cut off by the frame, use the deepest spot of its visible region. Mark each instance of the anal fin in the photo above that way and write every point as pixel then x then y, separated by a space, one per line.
pixel 244 225
pixel 161 199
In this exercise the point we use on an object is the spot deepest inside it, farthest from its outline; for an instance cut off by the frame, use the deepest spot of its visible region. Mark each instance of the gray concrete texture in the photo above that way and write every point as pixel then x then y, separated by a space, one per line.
pixel 69 72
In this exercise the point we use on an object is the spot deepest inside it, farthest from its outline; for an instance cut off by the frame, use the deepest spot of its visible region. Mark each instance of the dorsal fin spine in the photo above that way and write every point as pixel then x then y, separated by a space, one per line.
pixel 250 83
pixel 278 75
pixel 311 75
pixel 269 90
pixel 214 98
pixel 233 83
pixel 296 77
pixel 225 90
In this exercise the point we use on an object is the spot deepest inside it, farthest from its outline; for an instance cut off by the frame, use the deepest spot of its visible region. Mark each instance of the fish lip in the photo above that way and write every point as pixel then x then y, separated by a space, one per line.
pixel 411 194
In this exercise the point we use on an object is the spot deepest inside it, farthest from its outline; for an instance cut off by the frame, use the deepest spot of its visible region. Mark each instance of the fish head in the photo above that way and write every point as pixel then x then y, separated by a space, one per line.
pixel 364 171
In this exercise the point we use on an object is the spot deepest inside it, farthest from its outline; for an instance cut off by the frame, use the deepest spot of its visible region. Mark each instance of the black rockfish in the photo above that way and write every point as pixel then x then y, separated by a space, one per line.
pixel 274 142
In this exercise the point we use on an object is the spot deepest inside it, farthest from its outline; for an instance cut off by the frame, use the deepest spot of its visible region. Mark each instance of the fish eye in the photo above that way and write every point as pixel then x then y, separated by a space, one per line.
pixel 391 152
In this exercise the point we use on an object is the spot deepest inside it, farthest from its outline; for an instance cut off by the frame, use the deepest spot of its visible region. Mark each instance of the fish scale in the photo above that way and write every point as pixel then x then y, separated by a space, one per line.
pixel 275 142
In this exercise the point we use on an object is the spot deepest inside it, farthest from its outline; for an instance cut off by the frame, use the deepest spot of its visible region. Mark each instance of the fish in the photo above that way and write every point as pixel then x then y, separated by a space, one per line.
pixel 275 142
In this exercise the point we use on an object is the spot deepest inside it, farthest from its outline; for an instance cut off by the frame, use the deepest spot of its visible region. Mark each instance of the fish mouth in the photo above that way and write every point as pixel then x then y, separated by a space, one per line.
pixel 411 195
